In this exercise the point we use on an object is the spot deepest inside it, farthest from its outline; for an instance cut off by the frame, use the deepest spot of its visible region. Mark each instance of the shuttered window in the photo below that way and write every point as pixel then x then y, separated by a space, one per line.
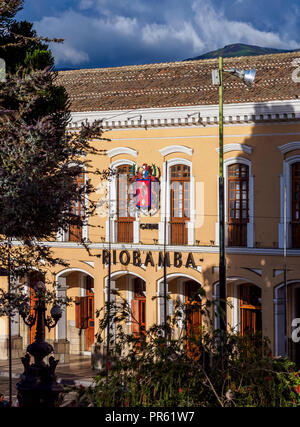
pixel 180 203
pixel 75 230
pixel 125 205
pixel 238 204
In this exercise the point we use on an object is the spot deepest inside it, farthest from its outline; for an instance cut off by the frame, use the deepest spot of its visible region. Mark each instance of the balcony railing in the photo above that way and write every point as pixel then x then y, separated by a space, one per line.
pixel 237 234
pixel 179 233
pixel 124 231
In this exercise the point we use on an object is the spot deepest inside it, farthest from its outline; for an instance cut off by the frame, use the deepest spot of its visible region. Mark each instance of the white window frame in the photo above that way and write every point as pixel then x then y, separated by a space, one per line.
pixel 165 204
pixel 112 183
pixel 64 236
pixel 250 224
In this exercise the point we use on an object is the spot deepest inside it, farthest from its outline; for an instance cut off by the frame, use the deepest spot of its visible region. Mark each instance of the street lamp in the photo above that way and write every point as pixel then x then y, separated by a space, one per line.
pixel 37 385
pixel 248 77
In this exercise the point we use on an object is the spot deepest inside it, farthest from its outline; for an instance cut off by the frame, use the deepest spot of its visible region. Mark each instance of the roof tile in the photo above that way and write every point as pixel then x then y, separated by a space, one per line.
pixel 179 84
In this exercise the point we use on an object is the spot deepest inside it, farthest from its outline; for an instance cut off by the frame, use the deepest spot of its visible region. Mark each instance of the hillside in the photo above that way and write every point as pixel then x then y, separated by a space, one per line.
pixel 238 49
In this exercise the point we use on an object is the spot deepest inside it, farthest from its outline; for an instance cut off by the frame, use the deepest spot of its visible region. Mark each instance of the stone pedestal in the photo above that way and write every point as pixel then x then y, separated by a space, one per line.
pixel 37 386
pixel 16 347
pixel 62 350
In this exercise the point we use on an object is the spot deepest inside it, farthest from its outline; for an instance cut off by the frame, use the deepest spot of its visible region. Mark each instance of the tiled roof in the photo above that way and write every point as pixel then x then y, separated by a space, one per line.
pixel 179 84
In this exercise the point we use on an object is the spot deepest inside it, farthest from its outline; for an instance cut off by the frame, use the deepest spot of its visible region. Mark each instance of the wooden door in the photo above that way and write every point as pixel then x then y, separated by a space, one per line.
pixel 138 309
pixel 250 309
pixel 194 317
pixel 84 313
pixel 180 204
pixel 125 216
pixel 90 331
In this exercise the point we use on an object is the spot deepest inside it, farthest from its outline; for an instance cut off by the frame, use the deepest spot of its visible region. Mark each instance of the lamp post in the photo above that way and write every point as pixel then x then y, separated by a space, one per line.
pixel 248 77
pixel 37 385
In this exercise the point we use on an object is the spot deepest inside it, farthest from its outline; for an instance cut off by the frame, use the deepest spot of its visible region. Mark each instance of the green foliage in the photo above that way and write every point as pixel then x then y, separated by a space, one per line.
pixel 39 158
pixel 209 368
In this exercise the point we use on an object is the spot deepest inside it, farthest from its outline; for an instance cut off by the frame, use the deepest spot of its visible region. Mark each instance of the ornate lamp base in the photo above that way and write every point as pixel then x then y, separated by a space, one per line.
pixel 38 385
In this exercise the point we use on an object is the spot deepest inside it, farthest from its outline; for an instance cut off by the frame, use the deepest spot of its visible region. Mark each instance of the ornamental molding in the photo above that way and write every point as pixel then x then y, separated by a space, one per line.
pixel 176 149
pixel 121 150
pixel 290 146
pixel 197 115
pixel 236 147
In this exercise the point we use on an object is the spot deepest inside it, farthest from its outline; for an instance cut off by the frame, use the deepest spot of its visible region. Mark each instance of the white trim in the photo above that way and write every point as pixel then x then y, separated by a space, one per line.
pixel 290 146
pixel 70 270
pixel 171 149
pixel 236 147
pixel 286 180
pixel 174 275
pixel 121 150
pixel 187 116
pixel 120 273
pixel 90 263
pixel 257 271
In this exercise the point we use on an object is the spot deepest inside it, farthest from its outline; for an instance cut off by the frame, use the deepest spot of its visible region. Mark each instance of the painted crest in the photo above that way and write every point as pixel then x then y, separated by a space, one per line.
pixel 146 178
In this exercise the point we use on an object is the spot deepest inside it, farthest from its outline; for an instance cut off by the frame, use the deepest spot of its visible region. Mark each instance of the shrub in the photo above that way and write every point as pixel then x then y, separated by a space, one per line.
pixel 208 368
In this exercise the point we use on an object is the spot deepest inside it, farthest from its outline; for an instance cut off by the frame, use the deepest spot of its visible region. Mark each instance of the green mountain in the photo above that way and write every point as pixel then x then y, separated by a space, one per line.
pixel 240 49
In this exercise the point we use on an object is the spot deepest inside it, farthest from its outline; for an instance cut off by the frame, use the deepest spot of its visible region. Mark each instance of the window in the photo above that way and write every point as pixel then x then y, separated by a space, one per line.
pixel 180 203
pixel 75 230
pixel 125 204
pixel 238 204
pixel 250 309
pixel 296 205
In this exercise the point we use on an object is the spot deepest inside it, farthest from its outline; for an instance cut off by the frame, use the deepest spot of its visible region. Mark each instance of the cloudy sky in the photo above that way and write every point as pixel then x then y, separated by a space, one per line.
pixel 109 33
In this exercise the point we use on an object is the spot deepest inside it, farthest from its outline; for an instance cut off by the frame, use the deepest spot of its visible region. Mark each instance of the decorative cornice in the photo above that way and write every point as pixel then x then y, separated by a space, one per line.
pixel 121 150
pixel 176 149
pixel 290 146
pixel 197 115
pixel 236 147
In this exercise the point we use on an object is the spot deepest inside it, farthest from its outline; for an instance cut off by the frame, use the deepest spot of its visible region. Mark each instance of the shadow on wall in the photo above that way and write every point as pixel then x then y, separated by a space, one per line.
pixel 254 210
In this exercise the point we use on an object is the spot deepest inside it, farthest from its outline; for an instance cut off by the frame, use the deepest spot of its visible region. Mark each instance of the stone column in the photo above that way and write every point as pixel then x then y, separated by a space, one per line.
pixel 61 344
pixel 16 339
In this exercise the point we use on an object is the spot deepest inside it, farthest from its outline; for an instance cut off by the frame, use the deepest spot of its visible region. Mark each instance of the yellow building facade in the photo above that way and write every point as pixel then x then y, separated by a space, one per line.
pixel 162 130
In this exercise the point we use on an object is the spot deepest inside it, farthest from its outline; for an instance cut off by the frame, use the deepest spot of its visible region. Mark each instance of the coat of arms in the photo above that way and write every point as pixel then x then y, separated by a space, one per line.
pixel 146 179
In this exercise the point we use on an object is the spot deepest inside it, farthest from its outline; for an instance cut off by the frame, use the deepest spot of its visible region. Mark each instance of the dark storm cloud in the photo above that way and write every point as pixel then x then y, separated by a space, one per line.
pixel 101 33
